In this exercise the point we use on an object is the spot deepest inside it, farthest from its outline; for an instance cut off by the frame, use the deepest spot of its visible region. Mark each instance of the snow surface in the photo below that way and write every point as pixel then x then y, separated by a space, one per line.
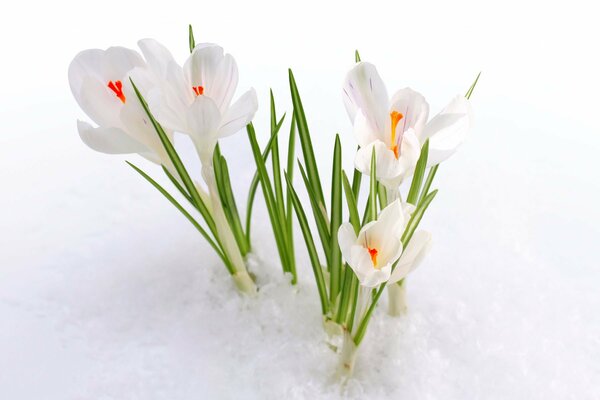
pixel 106 292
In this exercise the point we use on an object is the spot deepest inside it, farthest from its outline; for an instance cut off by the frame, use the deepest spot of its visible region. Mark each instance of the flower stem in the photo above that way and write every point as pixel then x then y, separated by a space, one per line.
pixel 397 298
pixel 347 357
pixel 240 275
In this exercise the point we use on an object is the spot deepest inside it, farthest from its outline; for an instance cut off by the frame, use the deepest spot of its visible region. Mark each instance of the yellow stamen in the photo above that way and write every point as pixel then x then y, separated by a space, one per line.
pixel 396 117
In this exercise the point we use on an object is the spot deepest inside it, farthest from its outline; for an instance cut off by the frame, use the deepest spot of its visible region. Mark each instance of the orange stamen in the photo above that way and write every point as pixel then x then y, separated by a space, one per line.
pixel 117 87
pixel 396 117
pixel 373 254
pixel 199 90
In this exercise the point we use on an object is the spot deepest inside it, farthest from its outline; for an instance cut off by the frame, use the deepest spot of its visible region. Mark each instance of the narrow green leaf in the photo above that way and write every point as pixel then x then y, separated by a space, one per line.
pixel 356 56
pixel 192 41
pixel 336 220
pixel 351 202
pixel 291 155
pixel 179 167
pixel 232 210
pixel 470 91
pixel 279 202
pixel 415 185
pixel 428 181
pixel 310 246
pixel 382 195
pixel 187 215
pixel 319 216
pixel 181 189
pixel 415 218
pixel 255 179
pixel 265 183
pixel 373 189
pixel 305 141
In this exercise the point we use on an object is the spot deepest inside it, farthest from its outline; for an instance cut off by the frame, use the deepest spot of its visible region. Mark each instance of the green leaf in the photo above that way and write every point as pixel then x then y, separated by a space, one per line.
pixel 382 194
pixel 416 217
pixel 192 42
pixel 187 215
pixel 417 179
pixel 180 188
pixel 356 56
pixel 336 220
pixel 310 246
pixel 232 212
pixel 288 197
pixel 279 202
pixel 265 183
pixel 470 91
pixel 356 179
pixel 255 181
pixel 372 204
pixel 305 141
pixel 319 215
pixel 350 200
pixel 179 167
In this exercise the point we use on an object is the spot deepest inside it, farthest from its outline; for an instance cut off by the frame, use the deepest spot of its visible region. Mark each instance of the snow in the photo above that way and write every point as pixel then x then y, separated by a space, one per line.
pixel 106 292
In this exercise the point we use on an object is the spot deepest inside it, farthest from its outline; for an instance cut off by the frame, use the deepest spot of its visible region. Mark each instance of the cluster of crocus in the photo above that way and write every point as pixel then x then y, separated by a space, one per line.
pixel 140 102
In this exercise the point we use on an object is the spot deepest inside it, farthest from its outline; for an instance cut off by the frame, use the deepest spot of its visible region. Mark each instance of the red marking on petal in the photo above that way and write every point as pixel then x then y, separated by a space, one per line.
pixel 117 87
pixel 373 254
pixel 199 90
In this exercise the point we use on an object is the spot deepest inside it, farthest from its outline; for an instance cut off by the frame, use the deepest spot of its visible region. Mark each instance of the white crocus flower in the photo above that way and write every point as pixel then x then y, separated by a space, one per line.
pixel 412 256
pixel 99 80
pixel 372 254
pixel 196 99
pixel 396 128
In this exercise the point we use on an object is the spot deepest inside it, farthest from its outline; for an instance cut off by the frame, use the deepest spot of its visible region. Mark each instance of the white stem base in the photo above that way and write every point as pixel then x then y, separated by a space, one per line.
pixel 397 299
pixel 244 283
pixel 347 357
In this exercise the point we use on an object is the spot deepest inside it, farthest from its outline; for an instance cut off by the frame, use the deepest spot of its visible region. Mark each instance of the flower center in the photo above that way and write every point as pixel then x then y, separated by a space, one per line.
pixel 396 117
pixel 199 90
pixel 117 87
pixel 373 254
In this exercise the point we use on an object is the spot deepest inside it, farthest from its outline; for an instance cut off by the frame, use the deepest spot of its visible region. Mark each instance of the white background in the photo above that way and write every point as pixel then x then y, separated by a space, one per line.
pixel 516 225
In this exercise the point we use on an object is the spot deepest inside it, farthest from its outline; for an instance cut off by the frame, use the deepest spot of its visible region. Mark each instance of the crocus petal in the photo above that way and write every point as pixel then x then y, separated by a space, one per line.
pixel 390 170
pixel 203 119
pixel 109 140
pixel 158 57
pixel 363 132
pixel 364 90
pixel 98 102
pixel 412 255
pixel 414 109
pixel 362 266
pixel 448 130
pixel 385 234
pixel 224 83
pixel 239 114
pixel 121 60
pixel 215 72
pixel 346 240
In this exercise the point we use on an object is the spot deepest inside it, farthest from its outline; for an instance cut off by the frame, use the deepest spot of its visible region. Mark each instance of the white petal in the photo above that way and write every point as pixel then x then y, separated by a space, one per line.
pixel 239 114
pixel 385 234
pixel 448 130
pixel 158 57
pixel 204 119
pixel 346 239
pixel 109 140
pixel 414 109
pixel 215 72
pixel 363 132
pixel 364 90
pixel 362 266
pixel 412 256
pixel 121 60
pixel 225 82
pixel 390 170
